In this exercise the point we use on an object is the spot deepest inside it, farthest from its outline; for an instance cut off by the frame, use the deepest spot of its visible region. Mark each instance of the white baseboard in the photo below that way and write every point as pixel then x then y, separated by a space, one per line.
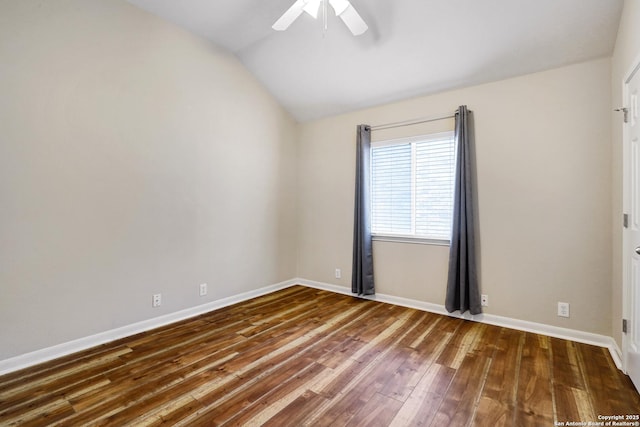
pixel 491 319
pixel 50 353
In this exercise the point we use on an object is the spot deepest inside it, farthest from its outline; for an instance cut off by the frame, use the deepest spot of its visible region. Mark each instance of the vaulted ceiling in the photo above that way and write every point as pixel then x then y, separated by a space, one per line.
pixel 412 47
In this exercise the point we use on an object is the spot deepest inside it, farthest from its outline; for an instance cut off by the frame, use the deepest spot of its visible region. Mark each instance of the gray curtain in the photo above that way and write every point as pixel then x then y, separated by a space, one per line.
pixel 462 284
pixel 362 268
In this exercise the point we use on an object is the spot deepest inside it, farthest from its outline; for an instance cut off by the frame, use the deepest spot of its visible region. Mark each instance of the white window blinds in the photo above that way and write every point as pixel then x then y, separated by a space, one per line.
pixel 412 186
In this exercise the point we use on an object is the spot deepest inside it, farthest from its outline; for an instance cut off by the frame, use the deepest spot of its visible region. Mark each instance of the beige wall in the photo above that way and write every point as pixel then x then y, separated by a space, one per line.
pixel 626 52
pixel 135 159
pixel 544 176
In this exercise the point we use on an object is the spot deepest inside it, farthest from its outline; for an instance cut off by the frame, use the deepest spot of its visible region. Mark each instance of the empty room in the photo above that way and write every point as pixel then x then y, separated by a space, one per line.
pixel 319 212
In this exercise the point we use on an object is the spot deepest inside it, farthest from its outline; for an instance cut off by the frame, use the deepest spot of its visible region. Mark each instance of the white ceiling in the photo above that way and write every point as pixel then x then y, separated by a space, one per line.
pixel 413 47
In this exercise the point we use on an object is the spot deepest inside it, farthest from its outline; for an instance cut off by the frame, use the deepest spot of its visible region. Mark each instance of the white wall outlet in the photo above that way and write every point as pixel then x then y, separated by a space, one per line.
pixel 563 309
pixel 484 300
pixel 338 273
pixel 203 289
pixel 156 301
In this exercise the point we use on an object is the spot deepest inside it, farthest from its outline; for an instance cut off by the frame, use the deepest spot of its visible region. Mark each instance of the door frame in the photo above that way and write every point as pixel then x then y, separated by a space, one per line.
pixel 626 201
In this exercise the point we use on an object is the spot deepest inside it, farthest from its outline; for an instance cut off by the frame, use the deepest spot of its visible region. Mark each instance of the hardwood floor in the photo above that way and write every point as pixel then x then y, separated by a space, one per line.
pixel 302 356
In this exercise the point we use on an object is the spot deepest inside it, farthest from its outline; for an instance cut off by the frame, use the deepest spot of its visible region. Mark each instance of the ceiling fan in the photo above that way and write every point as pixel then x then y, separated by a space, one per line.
pixel 342 8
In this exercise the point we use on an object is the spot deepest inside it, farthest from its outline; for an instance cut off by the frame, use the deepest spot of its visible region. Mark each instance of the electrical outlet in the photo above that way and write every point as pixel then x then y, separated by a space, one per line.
pixel 203 289
pixel 157 300
pixel 338 273
pixel 484 300
pixel 563 309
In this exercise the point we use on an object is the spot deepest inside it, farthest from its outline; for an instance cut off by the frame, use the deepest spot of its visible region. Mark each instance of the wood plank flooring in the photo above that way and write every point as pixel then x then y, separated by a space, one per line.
pixel 305 357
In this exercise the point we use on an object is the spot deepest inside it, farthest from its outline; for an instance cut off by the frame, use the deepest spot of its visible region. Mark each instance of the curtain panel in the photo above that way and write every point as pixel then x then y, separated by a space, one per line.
pixel 462 284
pixel 362 268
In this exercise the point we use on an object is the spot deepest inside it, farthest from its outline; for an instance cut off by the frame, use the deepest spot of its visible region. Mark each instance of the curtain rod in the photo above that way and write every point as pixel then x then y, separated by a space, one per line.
pixel 413 121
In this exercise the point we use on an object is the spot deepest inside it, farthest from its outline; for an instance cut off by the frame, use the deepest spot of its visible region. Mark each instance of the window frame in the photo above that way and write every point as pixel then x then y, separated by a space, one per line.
pixel 410 238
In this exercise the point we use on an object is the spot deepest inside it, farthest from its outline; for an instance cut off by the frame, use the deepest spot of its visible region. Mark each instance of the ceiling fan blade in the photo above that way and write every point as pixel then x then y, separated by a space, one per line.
pixel 352 19
pixel 289 16
pixel 339 6
pixel 312 8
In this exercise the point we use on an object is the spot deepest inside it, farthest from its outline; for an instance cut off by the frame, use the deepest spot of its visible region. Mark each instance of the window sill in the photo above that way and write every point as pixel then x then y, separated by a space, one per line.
pixel 410 240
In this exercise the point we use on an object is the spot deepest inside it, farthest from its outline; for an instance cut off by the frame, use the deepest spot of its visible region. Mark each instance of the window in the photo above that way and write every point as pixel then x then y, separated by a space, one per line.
pixel 412 187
